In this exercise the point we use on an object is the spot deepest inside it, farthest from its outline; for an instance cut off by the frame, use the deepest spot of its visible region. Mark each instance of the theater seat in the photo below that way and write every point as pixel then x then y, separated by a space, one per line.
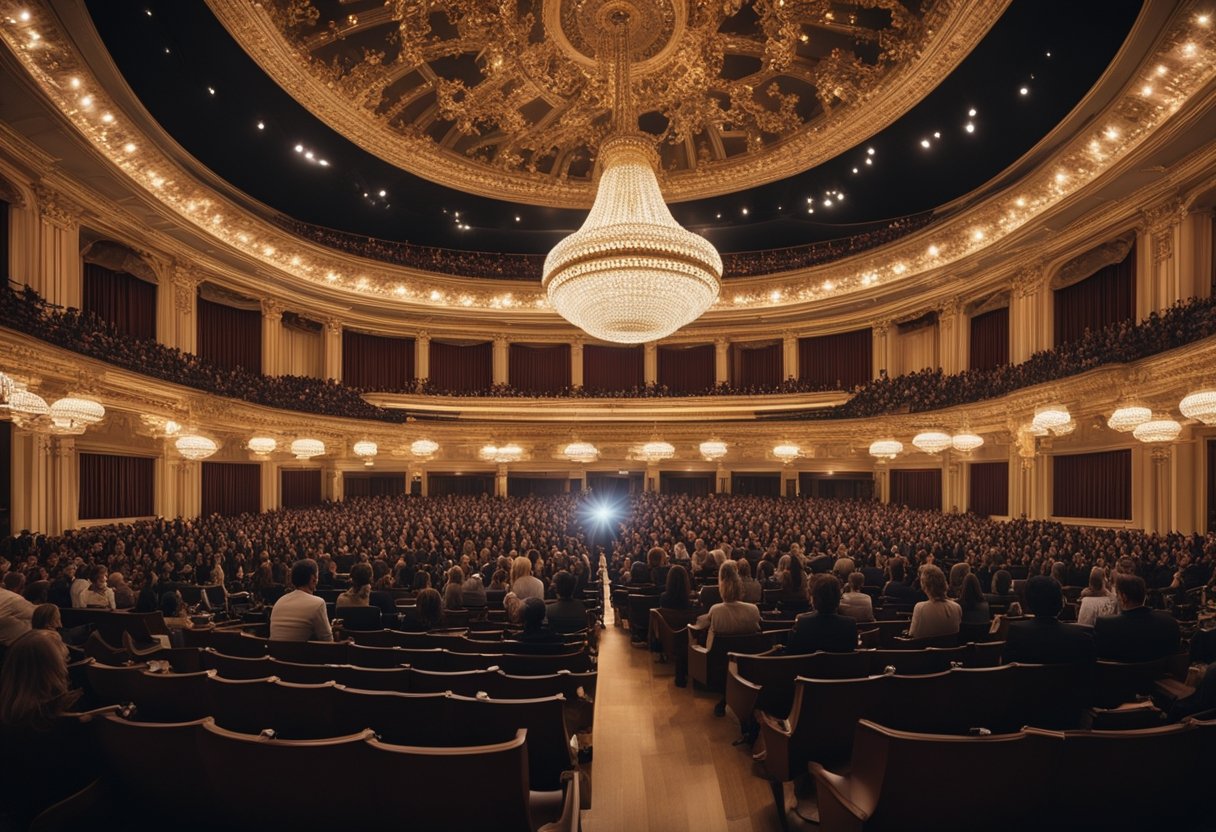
pixel 171 697
pixel 707 665
pixel 111 685
pixel 766 681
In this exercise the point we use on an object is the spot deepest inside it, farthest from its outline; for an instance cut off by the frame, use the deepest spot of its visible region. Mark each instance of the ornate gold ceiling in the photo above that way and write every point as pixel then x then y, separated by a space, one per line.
pixel 505 98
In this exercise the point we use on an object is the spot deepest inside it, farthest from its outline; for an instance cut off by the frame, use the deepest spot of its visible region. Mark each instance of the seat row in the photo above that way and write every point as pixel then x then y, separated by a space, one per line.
pixel 158 769
pixel 460 641
pixel 1155 778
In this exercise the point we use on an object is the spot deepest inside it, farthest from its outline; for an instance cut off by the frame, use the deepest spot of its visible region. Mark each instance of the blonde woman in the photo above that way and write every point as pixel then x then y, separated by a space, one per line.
pixel 938 616
pixel 523 586
pixel 733 616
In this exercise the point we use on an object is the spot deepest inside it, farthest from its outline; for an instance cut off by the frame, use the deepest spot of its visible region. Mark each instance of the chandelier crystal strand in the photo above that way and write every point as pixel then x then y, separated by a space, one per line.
pixel 366 451
pixel 630 274
pixel 1158 430
pixel 262 445
pixel 886 448
pixel 1128 417
pixel 1200 405
pixel 581 452
pixel 307 448
pixel 74 415
pixel 932 441
pixel 1051 417
pixel 713 450
pixel 424 448
pixel 966 441
pixel 657 450
pixel 195 447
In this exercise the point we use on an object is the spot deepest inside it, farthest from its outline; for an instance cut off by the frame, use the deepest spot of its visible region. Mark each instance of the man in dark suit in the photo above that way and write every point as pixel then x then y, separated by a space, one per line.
pixel 823 629
pixel 1044 639
pixel 1137 634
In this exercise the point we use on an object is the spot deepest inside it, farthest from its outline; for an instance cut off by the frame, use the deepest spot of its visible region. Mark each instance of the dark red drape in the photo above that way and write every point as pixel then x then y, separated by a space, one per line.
pixel 539 368
pixel 614 486
pixel 443 485
pixel 1097 485
pixel 231 488
pixel 989 347
pixel 756 366
pixel 840 361
pixel 988 494
pixel 535 486
pixel 116 486
pixel 463 369
pixel 1212 483
pixel 301 487
pixel 695 485
pixel 373 485
pixel 1106 297
pixel 686 369
pixel 6 479
pixel 917 488
pixel 840 485
pixel 229 337
pixel 121 299
pixel 760 485
pixel 4 233
pixel 377 362
pixel 613 368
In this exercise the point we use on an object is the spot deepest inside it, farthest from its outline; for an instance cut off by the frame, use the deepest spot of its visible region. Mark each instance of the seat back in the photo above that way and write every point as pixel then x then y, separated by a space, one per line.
pixel 640 605
pixel 149 764
pixel 519 665
pixel 395 679
pixel 1119 682
pixel 824 714
pixel 431 658
pixel 776 674
pixel 983 654
pixel 310 652
pixel 241 704
pixel 264 782
pixel 359 618
pixel 235 667
pixel 112 685
pixel 482 720
pixel 465 682
pixel 171 697
pixel 915 662
pixel 303 674
pixel 230 642
pixel 383 657
pixel 573 686
pixel 398 718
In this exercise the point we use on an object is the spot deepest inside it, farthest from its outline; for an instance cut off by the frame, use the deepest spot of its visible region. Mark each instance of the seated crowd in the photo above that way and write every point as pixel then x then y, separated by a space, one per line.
pixel 924 390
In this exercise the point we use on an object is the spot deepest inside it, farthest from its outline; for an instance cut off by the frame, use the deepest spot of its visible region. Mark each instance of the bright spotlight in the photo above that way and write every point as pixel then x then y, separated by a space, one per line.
pixel 602 514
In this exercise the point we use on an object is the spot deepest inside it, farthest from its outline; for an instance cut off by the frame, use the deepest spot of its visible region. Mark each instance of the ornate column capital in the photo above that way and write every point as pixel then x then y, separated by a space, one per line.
pixel 501 341
pixel 333 326
pixel 721 342
pixel 272 309
pixel 881 328
pixel 1027 281
pixel 422 337
pixel 949 308
pixel 57 210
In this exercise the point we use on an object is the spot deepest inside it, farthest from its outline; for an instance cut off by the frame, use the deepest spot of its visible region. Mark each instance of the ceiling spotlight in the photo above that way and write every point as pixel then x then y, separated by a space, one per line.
pixel 1024 91
pixel 869 161
pixel 924 143
pixel 971 112
pixel 1146 90
pixel 970 128
pixel 934 251
pixel 299 148
pixel 869 151
pixel 211 90
pixel 383 193
pixel 936 134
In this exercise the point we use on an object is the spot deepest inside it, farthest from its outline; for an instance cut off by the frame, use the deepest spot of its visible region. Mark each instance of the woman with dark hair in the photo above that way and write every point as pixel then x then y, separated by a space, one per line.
pixel 972 601
pixel 938 616
pixel 677 595
pixel 453 590
pixel 360 592
pixel 793 596
pixel 428 612
pixel 1002 599
pixel 752 591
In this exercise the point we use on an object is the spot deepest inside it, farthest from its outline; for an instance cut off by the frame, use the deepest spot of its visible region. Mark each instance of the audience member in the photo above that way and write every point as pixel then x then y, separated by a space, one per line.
pixel 937 616
pixel 1137 634
pixel 855 603
pixel 824 628
pixel 1044 639
pixel 300 615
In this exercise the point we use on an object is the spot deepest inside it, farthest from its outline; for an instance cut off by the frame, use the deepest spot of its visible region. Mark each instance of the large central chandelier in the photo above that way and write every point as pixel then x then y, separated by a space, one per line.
pixel 630 274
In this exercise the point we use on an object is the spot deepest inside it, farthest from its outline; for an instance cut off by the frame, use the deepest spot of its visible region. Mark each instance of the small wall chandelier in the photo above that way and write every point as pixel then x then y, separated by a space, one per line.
pixel 630 274
pixel 18 402
pixel 307 448
pixel 656 450
pixel 712 450
pixel 886 448
pixel 1052 417
pixel 501 454
pixel 932 441
pixel 73 415
pixel 1128 417
pixel 787 452
pixel 424 448
pixel 1200 405
pixel 583 452
pixel 966 441
pixel 366 451
pixel 1158 430
pixel 262 445
pixel 194 447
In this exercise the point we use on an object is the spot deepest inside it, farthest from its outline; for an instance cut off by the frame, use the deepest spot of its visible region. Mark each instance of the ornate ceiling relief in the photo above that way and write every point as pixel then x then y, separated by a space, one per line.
pixel 505 98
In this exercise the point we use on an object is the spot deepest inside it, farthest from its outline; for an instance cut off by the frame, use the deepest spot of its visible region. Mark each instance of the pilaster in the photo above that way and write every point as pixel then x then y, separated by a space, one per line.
pixel 500 481
pixel 331 333
pixel 721 361
pixel 59 274
pixel 422 357
pixel 272 337
pixel 576 363
pixel 789 355
pixel 501 361
pixel 650 363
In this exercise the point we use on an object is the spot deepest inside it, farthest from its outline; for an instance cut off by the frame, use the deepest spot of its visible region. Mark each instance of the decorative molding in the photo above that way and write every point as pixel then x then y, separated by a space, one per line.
pixel 272 310
pixel 56 210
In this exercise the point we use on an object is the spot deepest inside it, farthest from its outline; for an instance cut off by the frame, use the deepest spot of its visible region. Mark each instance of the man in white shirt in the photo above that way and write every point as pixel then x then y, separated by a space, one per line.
pixel 79 585
pixel 15 614
pixel 300 615
pixel 855 603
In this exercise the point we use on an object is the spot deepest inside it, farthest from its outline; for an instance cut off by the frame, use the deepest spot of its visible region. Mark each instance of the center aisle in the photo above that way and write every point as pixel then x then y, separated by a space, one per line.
pixel 663 761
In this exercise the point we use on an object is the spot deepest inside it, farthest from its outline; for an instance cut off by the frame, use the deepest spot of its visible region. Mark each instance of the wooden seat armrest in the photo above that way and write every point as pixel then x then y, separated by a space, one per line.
pixel 569 821
pixel 733 672
pixel 837 808
pixel 775 735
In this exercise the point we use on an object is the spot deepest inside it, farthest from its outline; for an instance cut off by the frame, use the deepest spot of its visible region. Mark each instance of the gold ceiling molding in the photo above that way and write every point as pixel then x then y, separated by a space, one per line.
pixel 505 100
pixel 1148 112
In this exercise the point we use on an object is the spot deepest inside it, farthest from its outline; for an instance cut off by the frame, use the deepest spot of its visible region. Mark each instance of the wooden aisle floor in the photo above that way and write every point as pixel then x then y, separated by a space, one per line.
pixel 663 762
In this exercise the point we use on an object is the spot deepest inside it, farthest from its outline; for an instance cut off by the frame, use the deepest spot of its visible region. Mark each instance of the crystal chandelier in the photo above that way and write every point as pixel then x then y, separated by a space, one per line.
pixel 1128 417
pixel 630 274
pixel 581 452
pixel 72 415
pixel 195 447
pixel 1158 430
pixel 657 450
pixel 713 450
pixel 262 445
pixel 787 452
pixel 1052 418
pixel 966 442
pixel 932 441
pixel 501 454
pixel 1200 405
pixel 424 448
pixel 886 448
pixel 307 448
pixel 366 451
pixel 16 400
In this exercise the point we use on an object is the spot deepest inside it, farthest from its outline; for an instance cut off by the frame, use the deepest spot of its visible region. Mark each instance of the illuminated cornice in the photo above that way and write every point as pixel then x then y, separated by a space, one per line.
pixel 1180 66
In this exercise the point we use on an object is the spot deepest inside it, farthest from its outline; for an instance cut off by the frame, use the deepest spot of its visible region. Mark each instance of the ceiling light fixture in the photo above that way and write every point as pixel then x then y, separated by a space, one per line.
pixel 1200 405
pixel 262 445
pixel 424 448
pixel 194 447
pixel 366 451
pixel 581 452
pixel 657 450
pixel 886 448
pixel 787 452
pixel 712 450
pixel 1128 417
pixel 307 448
pixel 72 415
pixel 1158 430
pixel 932 441
pixel 630 274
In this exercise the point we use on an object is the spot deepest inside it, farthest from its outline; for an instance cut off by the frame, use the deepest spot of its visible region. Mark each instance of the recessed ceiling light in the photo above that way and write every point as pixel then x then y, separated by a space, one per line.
pixel 1024 91
pixel 924 143
pixel 969 127
pixel 971 112
pixel 261 125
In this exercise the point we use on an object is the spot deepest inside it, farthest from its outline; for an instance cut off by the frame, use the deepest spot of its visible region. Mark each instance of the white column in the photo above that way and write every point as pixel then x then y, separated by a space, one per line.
pixel 722 480
pixel 789 482
pixel 187 479
pixel 953 494
pixel 651 485
pixel 59 276
pixel 269 485
pixel 882 483
pixel 422 356
pixel 272 338
pixel 331 333
pixel 24 227
pixel 501 366
pixel 65 501
pixel 332 485
pixel 721 361
pixel 883 353
pixel 1162 518
pixel 650 363
pixel 500 481
pixel 1196 255
pixel 1160 247
pixel 182 331
pixel 789 356
pixel 951 334
pixel 31 481
pixel 576 363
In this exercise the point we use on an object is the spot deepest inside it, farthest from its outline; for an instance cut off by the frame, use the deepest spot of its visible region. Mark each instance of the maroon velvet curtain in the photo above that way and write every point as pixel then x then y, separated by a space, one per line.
pixel 694 485
pixel 443 485
pixel 686 369
pixel 465 369
pixel 917 488
pixel 122 299
pixel 1097 485
pixel 757 485
pixel 613 368
pixel 988 494
pixel 989 347
pixel 1106 297
pixel 377 362
pixel 4 233
pixel 6 477
pixel 231 488
pixel 301 487
pixel 1212 482
pixel 539 368
pixel 840 485
pixel 229 337
pixel 841 361
pixel 535 486
pixel 373 485
pixel 756 366
pixel 116 486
